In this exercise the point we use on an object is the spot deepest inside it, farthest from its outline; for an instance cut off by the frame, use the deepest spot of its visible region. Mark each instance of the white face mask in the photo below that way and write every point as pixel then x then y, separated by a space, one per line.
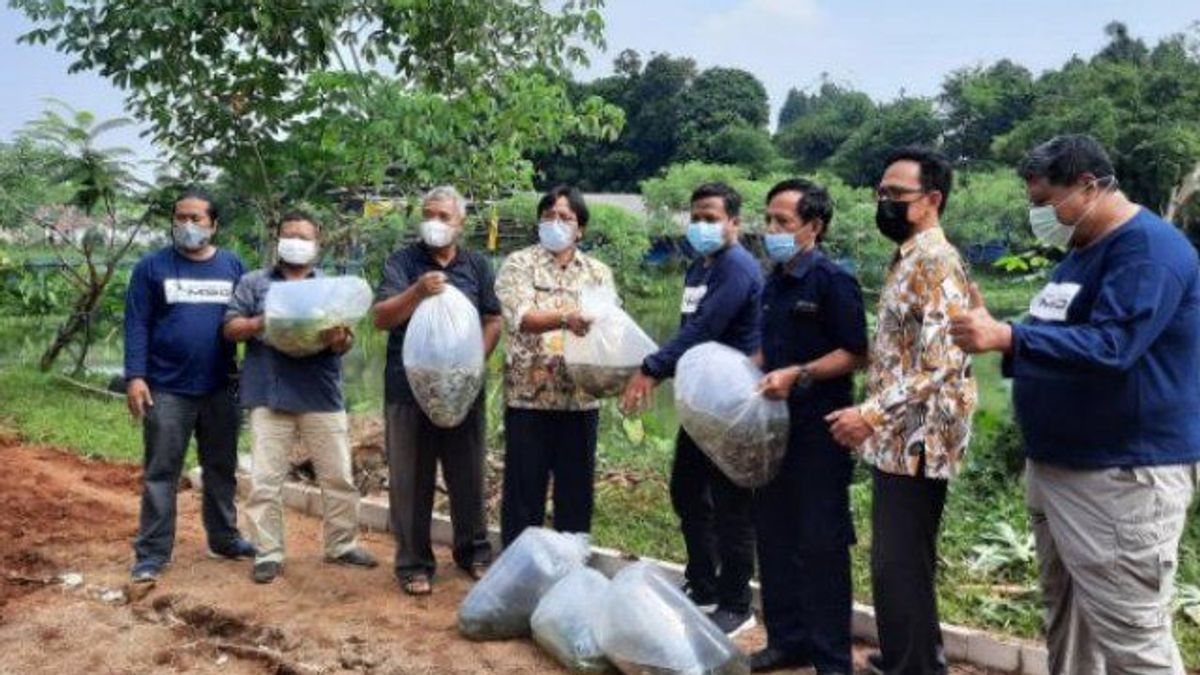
pixel 556 236
pixel 1047 229
pixel 436 234
pixel 295 251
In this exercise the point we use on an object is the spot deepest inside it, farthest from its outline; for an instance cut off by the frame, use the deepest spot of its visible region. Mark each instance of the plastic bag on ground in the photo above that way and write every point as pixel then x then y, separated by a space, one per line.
pixel 500 605
pixel 296 312
pixel 443 356
pixel 562 622
pixel 720 407
pixel 647 626
pixel 602 361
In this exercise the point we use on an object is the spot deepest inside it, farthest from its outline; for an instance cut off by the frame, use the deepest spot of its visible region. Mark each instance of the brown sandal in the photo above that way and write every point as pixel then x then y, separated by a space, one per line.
pixel 417 584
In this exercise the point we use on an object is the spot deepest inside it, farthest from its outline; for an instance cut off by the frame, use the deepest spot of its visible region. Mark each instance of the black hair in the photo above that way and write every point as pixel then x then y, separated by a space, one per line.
pixel 936 172
pixel 815 201
pixel 297 215
pixel 733 200
pixel 194 192
pixel 574 200
pixel 1063 159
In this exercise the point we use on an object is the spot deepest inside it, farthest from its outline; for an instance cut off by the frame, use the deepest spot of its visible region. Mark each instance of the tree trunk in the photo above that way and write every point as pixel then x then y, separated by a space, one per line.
pixel 79 321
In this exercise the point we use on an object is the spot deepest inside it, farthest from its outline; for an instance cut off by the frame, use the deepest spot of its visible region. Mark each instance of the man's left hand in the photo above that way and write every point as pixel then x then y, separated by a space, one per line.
pixel 849 427
pixel 339 339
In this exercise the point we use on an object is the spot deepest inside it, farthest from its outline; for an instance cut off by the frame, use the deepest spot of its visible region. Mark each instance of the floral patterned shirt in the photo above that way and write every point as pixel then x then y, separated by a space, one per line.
pixel 535 374
pixel 920 392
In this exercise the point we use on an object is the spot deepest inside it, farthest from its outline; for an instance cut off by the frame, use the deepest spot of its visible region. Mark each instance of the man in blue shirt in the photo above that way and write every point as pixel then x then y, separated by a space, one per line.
pixel 1106 386
pixel 721 296
pixel 177 369
pixel 294 399
pixel 814 336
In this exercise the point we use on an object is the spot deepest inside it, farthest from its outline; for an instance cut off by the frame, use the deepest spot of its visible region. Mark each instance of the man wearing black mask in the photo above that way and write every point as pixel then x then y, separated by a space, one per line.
pixel 915 423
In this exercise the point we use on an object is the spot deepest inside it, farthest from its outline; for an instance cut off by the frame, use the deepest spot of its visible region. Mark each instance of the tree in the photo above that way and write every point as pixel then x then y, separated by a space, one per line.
pixel 720 97
pixel 820 123
pixel 742 145
pixel 982 103
pixel 861 159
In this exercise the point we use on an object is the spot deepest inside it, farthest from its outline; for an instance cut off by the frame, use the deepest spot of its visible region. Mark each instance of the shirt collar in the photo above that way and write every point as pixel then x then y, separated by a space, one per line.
pixel 277 272
pixel 547 258
pixel 802 263
pixel 923 240
pixel 427 255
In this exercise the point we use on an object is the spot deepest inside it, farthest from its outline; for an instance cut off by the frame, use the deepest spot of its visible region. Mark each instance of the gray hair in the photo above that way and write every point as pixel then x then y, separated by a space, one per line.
pixel 447 193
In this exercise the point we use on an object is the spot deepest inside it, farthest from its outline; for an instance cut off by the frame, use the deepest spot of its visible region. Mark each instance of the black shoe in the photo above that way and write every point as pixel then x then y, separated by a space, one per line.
pixel 265 572
pixel 875 663
pixel 355 557
pixel 770 659
pixel 733 623
pixel 705 602
pixel 238 549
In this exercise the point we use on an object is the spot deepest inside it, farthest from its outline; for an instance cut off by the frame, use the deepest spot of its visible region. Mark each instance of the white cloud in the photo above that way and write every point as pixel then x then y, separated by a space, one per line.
pixel 765 15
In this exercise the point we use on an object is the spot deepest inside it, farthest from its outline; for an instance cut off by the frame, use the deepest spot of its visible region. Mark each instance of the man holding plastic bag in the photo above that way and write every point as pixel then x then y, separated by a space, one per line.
pixel 720 303
pixel 814 338
pixel 437 273
pixel 549 421
pixel 297 399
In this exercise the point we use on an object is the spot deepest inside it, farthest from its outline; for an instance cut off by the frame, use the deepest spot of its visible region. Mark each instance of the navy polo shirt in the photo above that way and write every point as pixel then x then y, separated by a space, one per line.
pixel 469 272
pixel 275 380
pixel 811 307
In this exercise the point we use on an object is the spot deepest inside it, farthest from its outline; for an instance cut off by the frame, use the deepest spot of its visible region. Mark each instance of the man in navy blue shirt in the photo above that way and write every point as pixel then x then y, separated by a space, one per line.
pixel 814 336
pixel 1106 386
pixel 177 369
pixel 290 399
pixel 721 296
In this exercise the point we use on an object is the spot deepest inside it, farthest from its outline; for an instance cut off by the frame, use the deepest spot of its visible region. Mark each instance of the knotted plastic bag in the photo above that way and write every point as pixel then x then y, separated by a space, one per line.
pixel 443 356
pixel 721 408
pixel 297 312
pixel 562 622
pixel 602 361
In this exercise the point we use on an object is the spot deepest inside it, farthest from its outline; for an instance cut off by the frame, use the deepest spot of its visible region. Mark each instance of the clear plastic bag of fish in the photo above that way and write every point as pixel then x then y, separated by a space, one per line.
pixel 602 361
pixel 647 626
pixel 443 356
pixel 500 605
pixel 562 622
pixel 297 312
pixel 720 406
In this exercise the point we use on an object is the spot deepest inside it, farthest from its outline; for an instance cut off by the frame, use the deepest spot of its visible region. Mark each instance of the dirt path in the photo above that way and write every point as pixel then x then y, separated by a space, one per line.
pixel 61 514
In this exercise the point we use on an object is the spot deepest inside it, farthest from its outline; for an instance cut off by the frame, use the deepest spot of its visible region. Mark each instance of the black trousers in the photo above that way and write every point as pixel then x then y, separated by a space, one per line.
pixel 906 514
pixel 717 521
pixel 415 446
pixel 804 533
pixel 540 444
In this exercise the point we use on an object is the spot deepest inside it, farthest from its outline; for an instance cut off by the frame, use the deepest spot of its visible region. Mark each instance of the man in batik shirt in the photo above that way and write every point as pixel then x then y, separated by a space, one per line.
pixel 915 423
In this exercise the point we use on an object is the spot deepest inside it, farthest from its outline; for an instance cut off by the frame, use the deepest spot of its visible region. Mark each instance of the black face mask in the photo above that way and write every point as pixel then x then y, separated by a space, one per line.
pixel 891 217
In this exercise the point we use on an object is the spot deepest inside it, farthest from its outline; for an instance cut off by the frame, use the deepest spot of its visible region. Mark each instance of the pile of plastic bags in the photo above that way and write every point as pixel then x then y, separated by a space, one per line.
pixel 443 356
pixel 562 622
pixel 602 361
pixel 721 408
pixel 297 312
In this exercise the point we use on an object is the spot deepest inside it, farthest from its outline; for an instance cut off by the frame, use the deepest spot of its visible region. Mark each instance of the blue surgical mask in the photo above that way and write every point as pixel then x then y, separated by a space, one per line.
pixel 705 238
pixel 556 236
pixel 190 237
pixel 781 247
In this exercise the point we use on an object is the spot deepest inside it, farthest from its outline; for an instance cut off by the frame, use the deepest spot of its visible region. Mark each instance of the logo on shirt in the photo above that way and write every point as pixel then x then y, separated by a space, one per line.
pixel 692 295
pixel 1052 303
pixel 197 291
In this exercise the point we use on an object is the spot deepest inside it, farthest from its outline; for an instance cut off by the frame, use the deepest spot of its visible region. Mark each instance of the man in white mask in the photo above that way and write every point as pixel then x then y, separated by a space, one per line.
pixel 415 444
pixel 294 399
pixel 1106 388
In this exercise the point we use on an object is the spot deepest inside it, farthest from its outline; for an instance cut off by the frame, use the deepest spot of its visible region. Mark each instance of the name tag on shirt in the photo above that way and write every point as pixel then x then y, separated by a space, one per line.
pixel 1052 302
pixel 692 295
pixel 197 291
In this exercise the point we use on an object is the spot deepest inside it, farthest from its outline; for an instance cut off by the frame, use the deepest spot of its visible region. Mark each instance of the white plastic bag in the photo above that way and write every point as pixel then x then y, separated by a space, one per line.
pixel 562 622
pixel 296 312
pixel 500 605
pixel 602 361
pixel 720 407
pixel 443 356
pixel 647 625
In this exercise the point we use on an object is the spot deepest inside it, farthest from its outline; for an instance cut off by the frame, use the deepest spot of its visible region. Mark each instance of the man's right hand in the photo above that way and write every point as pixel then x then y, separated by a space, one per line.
pixel 137 397
pixel 431 283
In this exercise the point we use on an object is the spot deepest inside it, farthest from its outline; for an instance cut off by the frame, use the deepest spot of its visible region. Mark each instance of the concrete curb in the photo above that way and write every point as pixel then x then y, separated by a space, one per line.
pixel 968 645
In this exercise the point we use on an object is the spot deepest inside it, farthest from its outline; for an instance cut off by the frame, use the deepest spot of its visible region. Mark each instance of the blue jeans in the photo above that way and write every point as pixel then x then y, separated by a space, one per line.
pixel 166 430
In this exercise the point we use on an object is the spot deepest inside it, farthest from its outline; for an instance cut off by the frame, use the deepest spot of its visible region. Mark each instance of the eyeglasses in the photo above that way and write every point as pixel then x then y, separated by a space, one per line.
pixel 893 193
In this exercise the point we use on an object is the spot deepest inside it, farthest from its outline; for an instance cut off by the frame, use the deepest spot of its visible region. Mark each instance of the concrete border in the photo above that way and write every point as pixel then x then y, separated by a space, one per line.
pixel 968 645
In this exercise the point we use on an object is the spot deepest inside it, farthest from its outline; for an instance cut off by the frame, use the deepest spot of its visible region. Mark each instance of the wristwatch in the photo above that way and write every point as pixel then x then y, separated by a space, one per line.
pixel 804 379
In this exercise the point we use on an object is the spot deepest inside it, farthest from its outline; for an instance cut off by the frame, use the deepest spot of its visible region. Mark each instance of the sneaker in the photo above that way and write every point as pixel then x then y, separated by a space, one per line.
pixel 705 602
pixel 238 549
pixel 771 659
pixel 146 571
pixel 733 623
pixel 265 572
pixel 355 557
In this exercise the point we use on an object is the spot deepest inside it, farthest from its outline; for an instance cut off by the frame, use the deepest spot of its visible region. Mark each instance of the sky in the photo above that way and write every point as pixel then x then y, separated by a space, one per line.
pixel 881 48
